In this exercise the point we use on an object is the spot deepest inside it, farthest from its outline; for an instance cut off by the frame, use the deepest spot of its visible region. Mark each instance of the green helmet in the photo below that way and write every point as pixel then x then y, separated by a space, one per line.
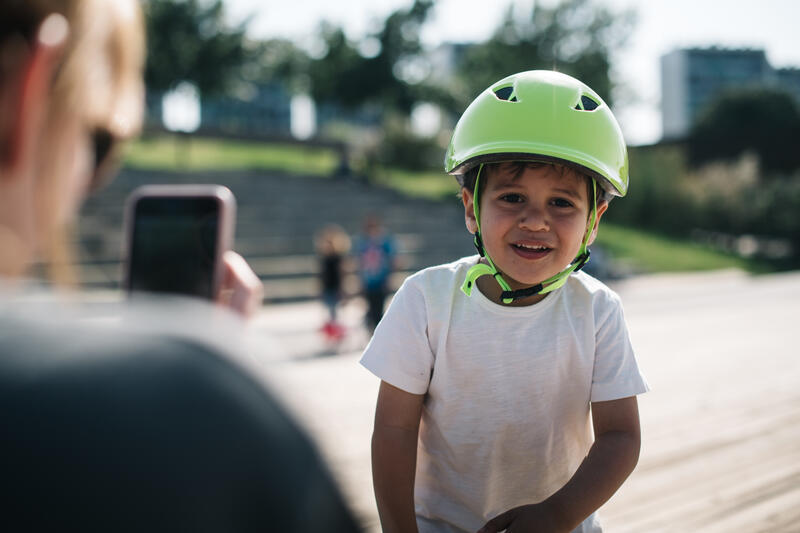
pixel 541 115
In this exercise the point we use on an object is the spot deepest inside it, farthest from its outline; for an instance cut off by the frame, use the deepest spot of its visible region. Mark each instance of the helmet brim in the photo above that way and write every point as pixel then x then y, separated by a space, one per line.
pixel 472 162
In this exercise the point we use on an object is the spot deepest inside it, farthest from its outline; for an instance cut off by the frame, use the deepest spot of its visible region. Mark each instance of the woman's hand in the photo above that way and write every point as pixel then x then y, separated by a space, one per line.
pixel 241 290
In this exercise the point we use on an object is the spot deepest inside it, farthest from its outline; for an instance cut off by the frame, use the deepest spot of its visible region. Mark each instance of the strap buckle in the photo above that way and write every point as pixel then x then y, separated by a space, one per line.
pixel 478 242
pixel 581 260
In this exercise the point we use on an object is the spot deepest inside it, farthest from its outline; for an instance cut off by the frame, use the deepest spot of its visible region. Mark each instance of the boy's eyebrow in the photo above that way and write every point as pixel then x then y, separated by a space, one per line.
pixel 506 180
pixel 504 183
pixel 568 192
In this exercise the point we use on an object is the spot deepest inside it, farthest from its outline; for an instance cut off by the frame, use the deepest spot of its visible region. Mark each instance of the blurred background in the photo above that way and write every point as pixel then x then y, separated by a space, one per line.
pixel 317 113
pixel 332 112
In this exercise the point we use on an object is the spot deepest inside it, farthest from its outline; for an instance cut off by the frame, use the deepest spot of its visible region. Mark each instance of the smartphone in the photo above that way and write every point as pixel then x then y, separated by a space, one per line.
pixel 176 236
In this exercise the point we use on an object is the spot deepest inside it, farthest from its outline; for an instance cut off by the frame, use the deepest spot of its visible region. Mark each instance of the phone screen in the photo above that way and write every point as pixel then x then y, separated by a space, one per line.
pixel 173 247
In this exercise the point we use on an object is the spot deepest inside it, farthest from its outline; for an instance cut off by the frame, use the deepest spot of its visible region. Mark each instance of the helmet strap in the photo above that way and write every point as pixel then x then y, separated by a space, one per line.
pixel 482 269
pixel 488 269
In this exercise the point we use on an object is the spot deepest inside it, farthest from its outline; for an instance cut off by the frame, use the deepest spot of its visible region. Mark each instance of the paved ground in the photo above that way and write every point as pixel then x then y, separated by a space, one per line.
pixel 721 428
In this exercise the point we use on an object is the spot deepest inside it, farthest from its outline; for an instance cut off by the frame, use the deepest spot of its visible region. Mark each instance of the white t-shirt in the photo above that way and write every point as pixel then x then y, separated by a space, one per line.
pixel 506 418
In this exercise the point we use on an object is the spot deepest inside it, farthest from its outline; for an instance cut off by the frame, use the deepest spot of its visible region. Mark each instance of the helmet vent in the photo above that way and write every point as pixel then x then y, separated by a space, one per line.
pixel 588 103
pixel 505 93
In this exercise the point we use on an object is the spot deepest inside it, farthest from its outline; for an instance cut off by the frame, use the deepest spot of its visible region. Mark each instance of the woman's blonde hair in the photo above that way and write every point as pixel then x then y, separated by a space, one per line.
pixel 101 69
pixel 99 77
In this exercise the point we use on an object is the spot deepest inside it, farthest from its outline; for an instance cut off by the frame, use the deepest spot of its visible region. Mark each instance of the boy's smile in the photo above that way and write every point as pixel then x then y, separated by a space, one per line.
pixel 532 222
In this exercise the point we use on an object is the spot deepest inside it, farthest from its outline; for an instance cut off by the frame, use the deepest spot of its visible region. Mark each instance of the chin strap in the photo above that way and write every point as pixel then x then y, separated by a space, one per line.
pixel 508 295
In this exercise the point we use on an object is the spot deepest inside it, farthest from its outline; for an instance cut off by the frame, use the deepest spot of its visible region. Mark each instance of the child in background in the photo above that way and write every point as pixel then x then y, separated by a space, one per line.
pixel 508 392
pixel 376 262
pixel 333 245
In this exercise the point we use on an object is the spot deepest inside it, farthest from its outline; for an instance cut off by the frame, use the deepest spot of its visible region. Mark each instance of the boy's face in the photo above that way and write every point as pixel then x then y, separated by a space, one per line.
pixel 532 224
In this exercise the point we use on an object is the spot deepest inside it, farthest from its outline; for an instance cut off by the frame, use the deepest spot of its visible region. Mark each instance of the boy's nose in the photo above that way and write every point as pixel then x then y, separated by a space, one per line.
pixel 534 219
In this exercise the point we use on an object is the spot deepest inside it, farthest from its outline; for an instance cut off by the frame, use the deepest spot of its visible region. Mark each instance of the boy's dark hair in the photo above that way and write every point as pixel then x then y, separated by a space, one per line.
pixel 467 180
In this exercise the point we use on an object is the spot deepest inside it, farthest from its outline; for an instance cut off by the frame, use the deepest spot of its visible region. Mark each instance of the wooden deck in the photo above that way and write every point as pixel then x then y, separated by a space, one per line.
pixel 721 427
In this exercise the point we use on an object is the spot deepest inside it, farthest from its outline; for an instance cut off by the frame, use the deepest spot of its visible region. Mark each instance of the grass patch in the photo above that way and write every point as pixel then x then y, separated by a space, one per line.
pixel 174 153
pixel 426 184
pixel 643 251
pixel 656 253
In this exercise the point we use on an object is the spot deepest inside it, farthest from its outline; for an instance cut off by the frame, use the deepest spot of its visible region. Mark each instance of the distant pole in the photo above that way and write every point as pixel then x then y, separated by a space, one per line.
pixel 181 114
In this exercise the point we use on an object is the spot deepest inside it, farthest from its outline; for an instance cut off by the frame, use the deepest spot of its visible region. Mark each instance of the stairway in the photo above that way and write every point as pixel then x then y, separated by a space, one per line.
pixel 277 217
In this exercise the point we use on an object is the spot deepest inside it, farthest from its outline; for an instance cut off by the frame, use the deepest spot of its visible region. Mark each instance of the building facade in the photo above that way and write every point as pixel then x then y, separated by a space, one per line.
pixel 692 78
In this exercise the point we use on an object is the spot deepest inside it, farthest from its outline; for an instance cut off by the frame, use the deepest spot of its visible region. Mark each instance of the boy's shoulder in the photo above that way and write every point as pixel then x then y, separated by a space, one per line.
pixel 586 286
pixel 435 285
pixel 443 275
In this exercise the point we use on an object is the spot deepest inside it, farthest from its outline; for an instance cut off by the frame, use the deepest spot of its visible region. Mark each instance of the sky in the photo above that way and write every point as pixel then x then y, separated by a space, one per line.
pixel 663 25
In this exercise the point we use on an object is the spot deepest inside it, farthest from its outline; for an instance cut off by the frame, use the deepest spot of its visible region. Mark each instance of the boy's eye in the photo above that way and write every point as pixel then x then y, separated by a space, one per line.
pixel 561 202
pixel 511 198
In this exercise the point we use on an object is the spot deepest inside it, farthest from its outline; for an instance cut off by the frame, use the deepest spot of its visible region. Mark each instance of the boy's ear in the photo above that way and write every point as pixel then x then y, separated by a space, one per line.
pixel 601 208
pixel 29 91
pixel 469 210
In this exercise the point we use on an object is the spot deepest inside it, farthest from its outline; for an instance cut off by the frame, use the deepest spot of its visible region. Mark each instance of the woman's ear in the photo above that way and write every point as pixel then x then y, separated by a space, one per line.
pixel 30 87
pixel 469 210
pixel 601 208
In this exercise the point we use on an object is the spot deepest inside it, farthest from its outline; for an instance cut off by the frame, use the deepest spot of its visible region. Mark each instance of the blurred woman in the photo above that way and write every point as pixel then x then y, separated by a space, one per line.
pixel 116 423
pixel 71 93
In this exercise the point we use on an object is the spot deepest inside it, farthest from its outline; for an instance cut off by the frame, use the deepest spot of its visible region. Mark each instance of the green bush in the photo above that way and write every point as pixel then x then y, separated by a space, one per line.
pixel 402 149
pixel 731 199
pixel 654 198
pixel 763 121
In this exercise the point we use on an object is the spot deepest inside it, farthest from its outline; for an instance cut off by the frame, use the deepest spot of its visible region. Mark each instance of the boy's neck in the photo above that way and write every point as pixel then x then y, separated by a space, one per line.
pixel 492 290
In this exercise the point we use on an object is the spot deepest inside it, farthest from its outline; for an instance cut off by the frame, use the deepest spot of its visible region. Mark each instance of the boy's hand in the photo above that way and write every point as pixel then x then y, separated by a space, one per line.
pixel 537 517
pixel 611 459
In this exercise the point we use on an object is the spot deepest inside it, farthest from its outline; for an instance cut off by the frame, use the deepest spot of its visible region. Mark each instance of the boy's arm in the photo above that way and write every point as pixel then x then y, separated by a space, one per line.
pixel 611 459
pixel 394 457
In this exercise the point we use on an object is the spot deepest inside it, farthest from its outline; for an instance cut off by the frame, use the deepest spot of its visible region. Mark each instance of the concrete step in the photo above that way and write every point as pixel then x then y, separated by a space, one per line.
pixel 277 218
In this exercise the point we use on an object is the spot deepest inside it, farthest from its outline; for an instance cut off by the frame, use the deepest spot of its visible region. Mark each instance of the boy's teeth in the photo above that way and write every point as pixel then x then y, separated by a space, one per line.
pixel 532 247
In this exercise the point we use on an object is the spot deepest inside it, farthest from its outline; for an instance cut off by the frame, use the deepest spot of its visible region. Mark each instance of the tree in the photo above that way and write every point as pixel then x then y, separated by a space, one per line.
pixel 764 121
pixel 574 37
pixel 335 75
pixel 188 40
pixel 280 61
pixel 346 76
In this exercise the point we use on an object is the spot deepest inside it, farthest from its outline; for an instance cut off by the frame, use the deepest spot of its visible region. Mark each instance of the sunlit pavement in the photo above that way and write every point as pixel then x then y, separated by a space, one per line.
pixel 721 426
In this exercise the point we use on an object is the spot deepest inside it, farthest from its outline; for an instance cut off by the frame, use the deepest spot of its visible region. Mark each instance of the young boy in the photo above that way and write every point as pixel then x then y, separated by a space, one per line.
pixel 513 406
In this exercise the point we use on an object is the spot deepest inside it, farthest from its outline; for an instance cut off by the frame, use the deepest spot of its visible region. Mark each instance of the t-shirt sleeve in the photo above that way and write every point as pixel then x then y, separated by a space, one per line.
pixel 399 352
pixel 616 372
